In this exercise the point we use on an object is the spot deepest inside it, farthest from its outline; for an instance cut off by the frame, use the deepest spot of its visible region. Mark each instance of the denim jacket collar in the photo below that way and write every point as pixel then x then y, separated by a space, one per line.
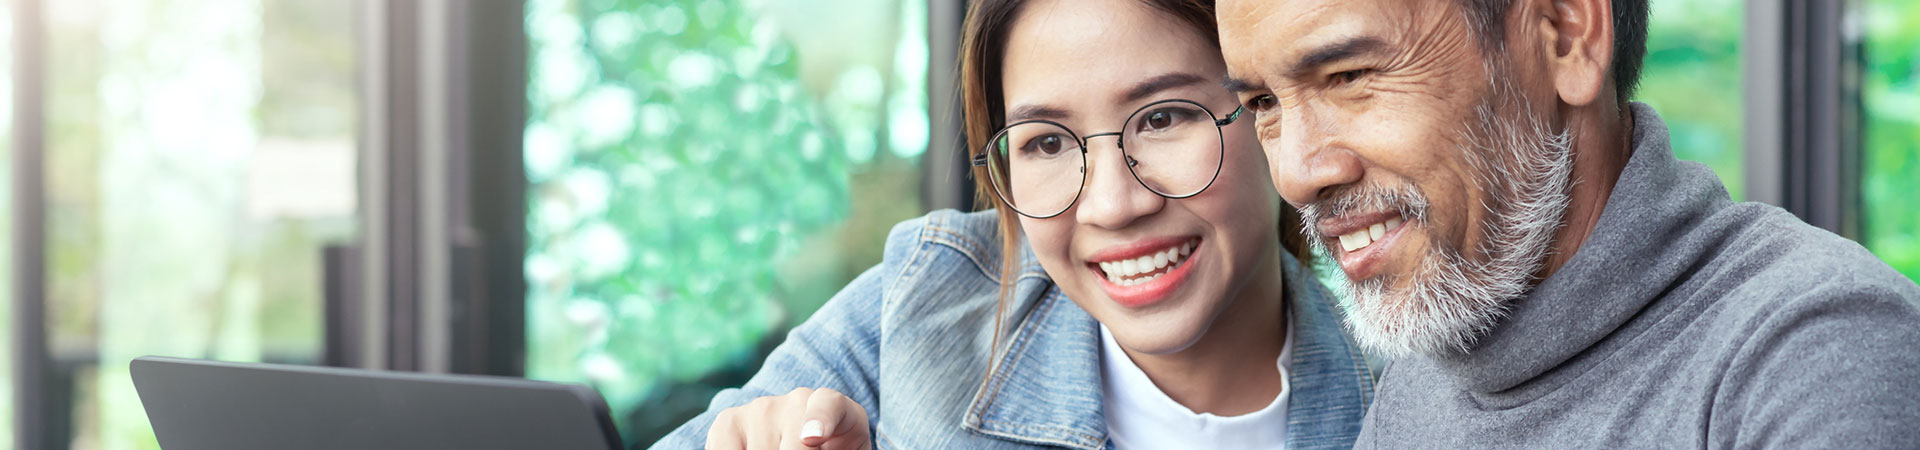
pixel 1331 381
pixel 1046 386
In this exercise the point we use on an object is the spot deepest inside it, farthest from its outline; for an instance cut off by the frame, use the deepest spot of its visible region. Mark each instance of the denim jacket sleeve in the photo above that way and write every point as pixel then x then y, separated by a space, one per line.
pixel 838 347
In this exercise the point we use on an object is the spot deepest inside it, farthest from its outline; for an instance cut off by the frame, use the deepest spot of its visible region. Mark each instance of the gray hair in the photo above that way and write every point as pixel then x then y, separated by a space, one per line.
pixel 1630 18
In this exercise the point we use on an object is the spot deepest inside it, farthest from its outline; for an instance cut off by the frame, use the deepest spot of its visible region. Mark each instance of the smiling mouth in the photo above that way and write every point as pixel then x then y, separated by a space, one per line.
pixel 1365 236
pixel 1142 269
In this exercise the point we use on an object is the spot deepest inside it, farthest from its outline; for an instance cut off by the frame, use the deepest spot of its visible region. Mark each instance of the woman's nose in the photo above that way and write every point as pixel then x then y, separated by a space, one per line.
pixel 1112 197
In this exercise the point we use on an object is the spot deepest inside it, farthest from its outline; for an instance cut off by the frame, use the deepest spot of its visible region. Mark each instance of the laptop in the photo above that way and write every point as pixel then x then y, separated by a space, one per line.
pixel 212 405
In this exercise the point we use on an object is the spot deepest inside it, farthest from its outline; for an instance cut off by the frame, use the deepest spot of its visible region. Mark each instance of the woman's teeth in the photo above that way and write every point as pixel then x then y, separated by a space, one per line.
pixel 1124 272
pixel 1363 237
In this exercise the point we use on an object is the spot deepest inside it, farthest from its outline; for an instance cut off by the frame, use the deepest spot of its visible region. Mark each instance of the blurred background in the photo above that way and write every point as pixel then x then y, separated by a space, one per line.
pixel 639 195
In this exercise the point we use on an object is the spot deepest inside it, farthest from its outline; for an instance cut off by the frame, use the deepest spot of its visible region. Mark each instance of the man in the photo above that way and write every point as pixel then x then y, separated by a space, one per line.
pixel 1521 241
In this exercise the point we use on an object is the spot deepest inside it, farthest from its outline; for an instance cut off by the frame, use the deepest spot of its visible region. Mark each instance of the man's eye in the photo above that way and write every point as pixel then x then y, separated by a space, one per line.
pixel 1262 103
pixel 1348 76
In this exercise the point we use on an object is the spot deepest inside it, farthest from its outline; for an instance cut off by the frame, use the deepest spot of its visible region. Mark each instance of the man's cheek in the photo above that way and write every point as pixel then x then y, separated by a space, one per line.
pixel 1271 152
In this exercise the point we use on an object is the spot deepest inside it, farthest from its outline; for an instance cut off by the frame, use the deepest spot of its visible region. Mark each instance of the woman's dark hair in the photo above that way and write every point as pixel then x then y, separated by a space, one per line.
pixel 983 46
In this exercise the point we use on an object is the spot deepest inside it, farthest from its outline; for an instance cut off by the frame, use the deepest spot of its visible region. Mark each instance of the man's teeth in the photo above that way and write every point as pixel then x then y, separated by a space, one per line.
pixel 1363 237
pixel 1120 272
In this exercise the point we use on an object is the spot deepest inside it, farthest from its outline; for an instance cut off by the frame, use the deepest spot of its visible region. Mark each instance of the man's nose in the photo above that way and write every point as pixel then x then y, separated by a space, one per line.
pixel 1112 197
pixel 1307 157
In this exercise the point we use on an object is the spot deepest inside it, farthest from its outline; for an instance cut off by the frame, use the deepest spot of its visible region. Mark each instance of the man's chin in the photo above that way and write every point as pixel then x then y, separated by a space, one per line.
pixel 1413 324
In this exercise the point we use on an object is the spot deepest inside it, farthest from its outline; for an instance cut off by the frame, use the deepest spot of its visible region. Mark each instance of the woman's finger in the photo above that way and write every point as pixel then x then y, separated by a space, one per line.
pixel 783 421
pixel 725 432
pixel 832 417
pixel 761 427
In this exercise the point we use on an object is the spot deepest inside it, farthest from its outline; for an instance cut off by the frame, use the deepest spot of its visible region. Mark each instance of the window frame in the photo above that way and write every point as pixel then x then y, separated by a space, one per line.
pixel 448 136
pixel 31 362
pixel 1803 128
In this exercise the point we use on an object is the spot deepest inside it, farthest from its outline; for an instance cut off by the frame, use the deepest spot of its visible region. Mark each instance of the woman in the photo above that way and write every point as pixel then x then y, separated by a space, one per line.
pixel 1136 287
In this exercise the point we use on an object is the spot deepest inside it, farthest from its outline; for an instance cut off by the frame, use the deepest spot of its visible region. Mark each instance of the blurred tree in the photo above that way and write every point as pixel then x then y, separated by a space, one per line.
pixel 691 193
pixel 1692 77
pixel 1890 169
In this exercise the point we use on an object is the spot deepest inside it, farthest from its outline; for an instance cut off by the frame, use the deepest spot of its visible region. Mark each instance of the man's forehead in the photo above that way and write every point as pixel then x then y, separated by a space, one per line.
pixel 1247 18
pixel 1268 34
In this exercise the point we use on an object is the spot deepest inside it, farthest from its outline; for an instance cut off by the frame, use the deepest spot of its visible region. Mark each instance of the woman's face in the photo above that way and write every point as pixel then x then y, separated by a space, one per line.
pixel 1088 65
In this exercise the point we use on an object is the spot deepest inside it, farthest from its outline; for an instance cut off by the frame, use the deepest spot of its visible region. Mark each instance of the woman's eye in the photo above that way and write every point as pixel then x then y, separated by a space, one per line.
pixel 1158 120
pixel 1050 144
pixel 1163 119
pixel 1349 76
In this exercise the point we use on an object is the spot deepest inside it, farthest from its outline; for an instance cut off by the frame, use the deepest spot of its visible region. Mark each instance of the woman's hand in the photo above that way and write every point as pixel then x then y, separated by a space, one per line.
pixel 804 418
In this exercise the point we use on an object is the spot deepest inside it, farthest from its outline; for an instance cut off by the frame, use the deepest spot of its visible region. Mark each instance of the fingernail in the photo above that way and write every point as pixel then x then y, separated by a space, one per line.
pixel 811 430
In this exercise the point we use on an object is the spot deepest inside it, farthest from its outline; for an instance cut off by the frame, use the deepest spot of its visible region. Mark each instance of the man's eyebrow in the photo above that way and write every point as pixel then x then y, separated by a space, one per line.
pixel 1237 85
pixel 1335 52
pixel 1031 112
pixel 1160 83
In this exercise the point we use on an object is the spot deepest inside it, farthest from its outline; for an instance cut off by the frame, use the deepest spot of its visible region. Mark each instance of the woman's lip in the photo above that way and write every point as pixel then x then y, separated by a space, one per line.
pixel 1153 291
pixel 1361 264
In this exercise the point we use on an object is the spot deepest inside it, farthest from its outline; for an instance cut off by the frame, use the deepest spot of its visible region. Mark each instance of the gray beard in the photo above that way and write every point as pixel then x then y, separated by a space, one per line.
pixel 1525 169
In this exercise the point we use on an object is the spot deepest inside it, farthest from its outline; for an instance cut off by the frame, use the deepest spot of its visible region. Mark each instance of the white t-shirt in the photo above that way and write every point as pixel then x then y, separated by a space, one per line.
pixel 1140 416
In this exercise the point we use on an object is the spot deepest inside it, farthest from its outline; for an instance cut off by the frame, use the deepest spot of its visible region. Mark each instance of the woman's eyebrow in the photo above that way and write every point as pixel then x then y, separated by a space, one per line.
pixel 1159 83
pixel 1031 112
pixel 1139 91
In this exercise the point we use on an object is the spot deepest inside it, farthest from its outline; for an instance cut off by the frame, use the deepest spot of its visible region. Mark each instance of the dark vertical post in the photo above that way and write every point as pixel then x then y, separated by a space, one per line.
pixel 945 175
pixel 341 309
pixel 1820 108
pixel 1763 88
pixel 400 252
pixel 30 361
pixel 496 183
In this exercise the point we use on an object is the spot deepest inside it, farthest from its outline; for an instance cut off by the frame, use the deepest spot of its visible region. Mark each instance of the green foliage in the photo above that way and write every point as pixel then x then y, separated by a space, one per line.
pixel 693 194
pixel 1692 77
pixel 1890 167
pixel 672 158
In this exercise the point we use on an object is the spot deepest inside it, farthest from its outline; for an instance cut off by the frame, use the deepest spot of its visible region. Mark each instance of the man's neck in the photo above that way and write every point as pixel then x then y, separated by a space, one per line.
pixel 1602 146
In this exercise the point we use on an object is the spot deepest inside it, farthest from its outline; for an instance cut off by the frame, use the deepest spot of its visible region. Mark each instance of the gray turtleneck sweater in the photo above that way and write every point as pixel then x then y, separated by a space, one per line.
pixel 1684 321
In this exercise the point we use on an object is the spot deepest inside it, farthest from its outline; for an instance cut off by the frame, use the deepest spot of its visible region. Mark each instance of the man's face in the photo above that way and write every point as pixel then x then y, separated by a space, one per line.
pixel 1415 157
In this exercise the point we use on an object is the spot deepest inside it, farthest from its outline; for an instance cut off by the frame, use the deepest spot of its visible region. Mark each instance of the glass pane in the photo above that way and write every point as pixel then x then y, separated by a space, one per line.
pixel 704 174
pixel 1890 167
pixel 199 154
pixel 1692 77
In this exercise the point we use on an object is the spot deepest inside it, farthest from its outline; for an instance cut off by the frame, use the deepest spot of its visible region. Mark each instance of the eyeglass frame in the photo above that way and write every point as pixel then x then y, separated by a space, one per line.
pixel 982 159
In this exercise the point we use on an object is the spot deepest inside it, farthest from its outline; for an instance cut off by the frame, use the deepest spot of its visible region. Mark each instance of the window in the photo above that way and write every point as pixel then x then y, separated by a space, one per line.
pixel 1692 77
pixel 198 155
pixel 702 176
pixel 1890 164
pixel 6 229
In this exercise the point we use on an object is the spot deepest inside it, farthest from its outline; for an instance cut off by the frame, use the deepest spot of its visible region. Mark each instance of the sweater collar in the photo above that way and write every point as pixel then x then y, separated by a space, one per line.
pixel 1640 246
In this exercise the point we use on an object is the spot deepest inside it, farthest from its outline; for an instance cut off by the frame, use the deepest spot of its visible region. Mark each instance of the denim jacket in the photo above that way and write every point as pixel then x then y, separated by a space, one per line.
pixel 910 338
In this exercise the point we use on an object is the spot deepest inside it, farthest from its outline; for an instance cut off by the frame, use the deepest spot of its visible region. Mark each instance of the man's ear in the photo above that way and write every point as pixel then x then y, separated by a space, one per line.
pixel 1579 38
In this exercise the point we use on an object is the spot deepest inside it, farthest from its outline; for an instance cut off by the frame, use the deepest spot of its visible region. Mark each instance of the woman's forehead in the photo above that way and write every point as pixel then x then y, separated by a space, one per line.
pixel 1087 54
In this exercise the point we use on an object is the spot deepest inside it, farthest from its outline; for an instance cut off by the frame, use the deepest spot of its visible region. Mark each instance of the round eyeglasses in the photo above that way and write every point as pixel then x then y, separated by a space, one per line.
pixel 1173 147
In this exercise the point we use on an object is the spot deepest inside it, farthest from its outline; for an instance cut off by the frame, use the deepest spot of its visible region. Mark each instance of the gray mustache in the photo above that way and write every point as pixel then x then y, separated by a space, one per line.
pixel 1406 200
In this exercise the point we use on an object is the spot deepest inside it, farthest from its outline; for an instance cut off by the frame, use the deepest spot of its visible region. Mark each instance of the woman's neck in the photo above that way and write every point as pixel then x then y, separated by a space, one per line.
pixel 1230 371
